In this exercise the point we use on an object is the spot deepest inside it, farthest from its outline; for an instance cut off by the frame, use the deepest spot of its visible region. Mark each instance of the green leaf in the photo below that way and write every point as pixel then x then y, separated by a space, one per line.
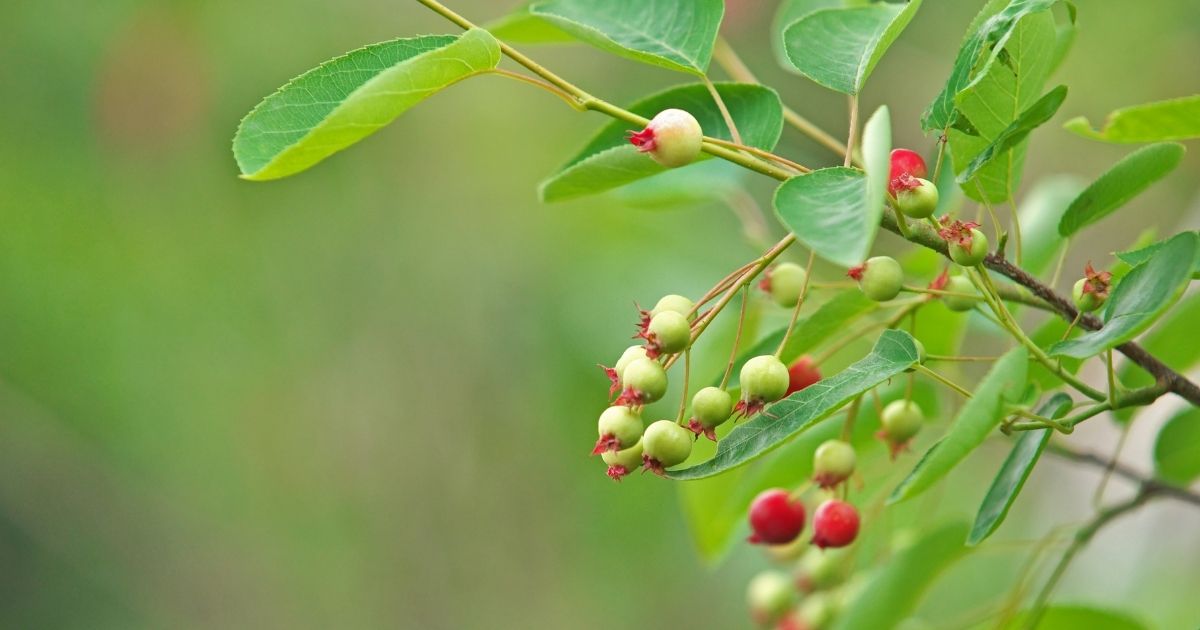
pixel 788 13
pixel 1138 299
pixel 1136 257
pixel 347 99
pixel 1078 618
pixel 1124 181
pixel 609 161
pixel 1030 119
pixel 1041 210
pixel 839 47
pixel 1049 333
pixel 1004 383
pixel 666 33
pixel 706 182
pixel 877 161
pixel 523 27
pixel 1177 448
pixel 894 352
pixel 1175 119
pixel 828 211
pixel 994 99
pixel 1173 341
pixel 893 592
pixel 988 34
pixel 1016 468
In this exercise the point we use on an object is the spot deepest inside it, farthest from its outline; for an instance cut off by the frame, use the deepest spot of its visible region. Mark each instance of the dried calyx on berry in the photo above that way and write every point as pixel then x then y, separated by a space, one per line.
pixel 711 407
pixel 904 162
pixel 835 524
pixel 665 444
pixel 775 517
pixel 967 245
pixel 764 380
pixel 614 373
pixel 643 381
pixel 880 278
pixel 623 462
pixel 673 138
pixel 620 428
pixel 784 283
pixel 802 374
pixel 900 421
pixel 915 197
pixel 833 463
pixel 1091 291
pixel 959 303
pixel 668 333
pixel 770 596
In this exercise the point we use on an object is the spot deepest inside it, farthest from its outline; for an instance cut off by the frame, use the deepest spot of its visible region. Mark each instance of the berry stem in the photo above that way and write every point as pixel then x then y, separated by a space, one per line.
pixel 937 167
pixel 570 100
pixel 762 153
pixel 961 359
pixel 902 223
pixel 1098 496
pixel 1016 223
pixel 944 381
pixel 852 136
pixel 737 337
pixel 851 416
pixel 687 377
pixel 733 130
pixel 799 304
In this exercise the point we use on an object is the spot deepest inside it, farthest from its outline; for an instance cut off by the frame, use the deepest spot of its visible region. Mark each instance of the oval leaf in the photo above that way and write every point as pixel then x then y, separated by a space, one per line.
pixel 1037 115
pixel 1016 468
pixel 1176 119
pixel 1005 382
pixel 667 33
pixel 523 27
pixel 1138 299
pixel 828 211
pixel 1138 256
pixel 347 99
pixel 892 354
pixel 1078 618
pixel 788 13
pixel 1124 181
pixel 877 160
pixel 1177 448
pixel 609 161
pixel 838 48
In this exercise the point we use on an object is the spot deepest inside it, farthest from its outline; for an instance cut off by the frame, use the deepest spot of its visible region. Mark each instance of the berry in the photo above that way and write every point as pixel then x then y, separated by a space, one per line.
pixel 959 284
pixel 676 303
pixel 821 569
pixel 835 524
pixel 785 283
pixel 614 373
pixel 900 421
pixel 711 407
pixel 775 518
pixel 916 198
pixel 905 162
pixel 770 596
pixel 833 463
pixel 802 374
pixel 880 278
pixel 920 354
pixel 764 380
pixel 668 333
pixel 620 427
pixel 673 138
pixel 621 463
pixel 817 610
pixel 644 381
pixel 665 444
pixel 967 245
pixel 1091 292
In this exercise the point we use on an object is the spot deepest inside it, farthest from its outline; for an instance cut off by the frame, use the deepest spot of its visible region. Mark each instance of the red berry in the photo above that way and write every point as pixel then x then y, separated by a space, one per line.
pixel 802 374
pixel 835 524
pixel 905 163
pixel 775 518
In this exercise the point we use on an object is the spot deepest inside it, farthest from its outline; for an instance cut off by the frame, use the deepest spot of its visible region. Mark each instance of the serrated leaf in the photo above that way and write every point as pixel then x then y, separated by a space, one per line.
pixel 988 34
pixel 1016 468
pixel 666 33
pixel 1139 298
pixel 1121 183
pixel 1138 256
pixel 1068 617
pixel 609 161
pixel 839 47
pixel 1016 132
pixel 1004 383
pixel 1175 119
pixel 893 353
pixel 893 592
pixel 828 211
pixel 347 99
pixel 1177 448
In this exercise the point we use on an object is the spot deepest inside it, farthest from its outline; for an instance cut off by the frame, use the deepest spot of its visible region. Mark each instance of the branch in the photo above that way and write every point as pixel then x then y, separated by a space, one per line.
pixel 1123 471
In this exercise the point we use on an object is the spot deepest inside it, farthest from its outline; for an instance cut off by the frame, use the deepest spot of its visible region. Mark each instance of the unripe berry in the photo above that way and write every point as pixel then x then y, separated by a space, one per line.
pixel 958 304
pixel 665 444
pixel 900 421
pixel 1091 292
pixel 785 283
pixel 971 254
pixel 770 596
pixel 621 463
pixel 802 374
pixel 822 569
pixel 880 278
pixel 1085 302
pixel 817 610
pixel 764 380
pixel 673 138
pixel 676 303
pixel 775 518
pixel 644 381
pixel 668 333
pixel 918 198
pixel 620 427
pixel 833 463
pixel 614 373
pixel 835 524
pixel 904 163
pixel 711 407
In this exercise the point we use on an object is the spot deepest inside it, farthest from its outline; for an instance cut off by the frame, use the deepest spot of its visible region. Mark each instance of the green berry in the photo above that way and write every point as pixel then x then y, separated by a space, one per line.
pixel 770 595
pixel 1086 301
pixel 623 462
pixel 631 353
pixel 817 610
pixel 764 379
pixel 918 201
pixel 673 138
pixel 676 303
pixel 901 420
pixel 669 332
pixel 833 463
pixel 785 283
pixel 711 407
pixel 665 444
pixel 880 278
pixel 959 284
pixel 644 381
pixel 822 569
pixel 972 255
pixel 620 428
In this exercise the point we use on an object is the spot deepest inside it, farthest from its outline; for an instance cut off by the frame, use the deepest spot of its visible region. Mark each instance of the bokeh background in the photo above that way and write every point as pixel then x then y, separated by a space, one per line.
pixel 362 397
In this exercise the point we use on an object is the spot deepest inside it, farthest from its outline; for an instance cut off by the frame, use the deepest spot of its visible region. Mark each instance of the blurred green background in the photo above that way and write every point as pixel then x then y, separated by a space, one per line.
pixel 363 397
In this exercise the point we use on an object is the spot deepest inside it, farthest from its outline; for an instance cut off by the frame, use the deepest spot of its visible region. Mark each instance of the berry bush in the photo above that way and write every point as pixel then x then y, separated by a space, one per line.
pixel 840 415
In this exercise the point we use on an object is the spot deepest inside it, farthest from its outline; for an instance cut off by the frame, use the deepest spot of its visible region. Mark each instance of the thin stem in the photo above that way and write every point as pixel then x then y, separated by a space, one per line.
pixel 1112 378
pixel 733 130
pixel 760 153
pixel 851 416
pixel 1098 497
pixel 941 293
pixel 937 167
pixel 1016 225
pixel 799 303
pixel 902 223
pixel 737 338
pixel 570 100
pixel 959 359
pixel 852 136
pixel 944 381
pixel 1071 326
pixel 1062 258
pixel 687 376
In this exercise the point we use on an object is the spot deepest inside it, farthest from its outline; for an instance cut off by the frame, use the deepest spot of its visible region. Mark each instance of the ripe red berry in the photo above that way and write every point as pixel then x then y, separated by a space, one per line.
pixel 905 163
pixel 775 518
pixel 835 524
pixel 802 374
